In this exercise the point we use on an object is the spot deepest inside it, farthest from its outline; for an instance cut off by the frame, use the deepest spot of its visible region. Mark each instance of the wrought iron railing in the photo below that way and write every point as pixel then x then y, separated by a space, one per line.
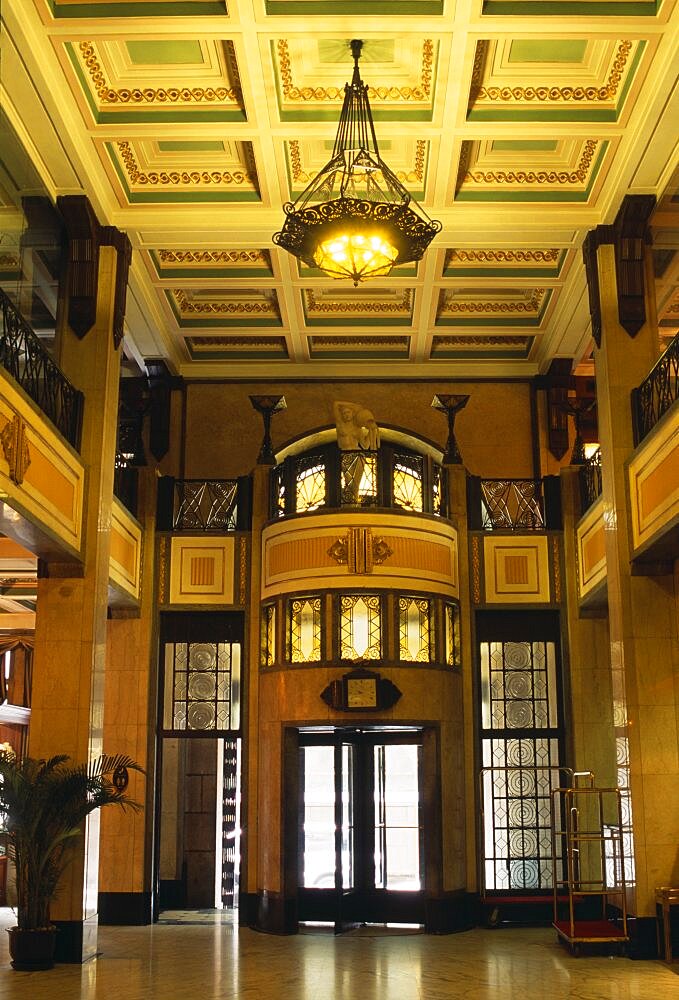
pixel 514 504
pixel 656 393
pixel 218 505
pixel 29 363
pixel 327 478
pixel 590 480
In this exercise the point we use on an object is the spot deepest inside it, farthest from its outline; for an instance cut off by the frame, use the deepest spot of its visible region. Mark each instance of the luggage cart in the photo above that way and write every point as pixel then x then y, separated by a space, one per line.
pixel 590 898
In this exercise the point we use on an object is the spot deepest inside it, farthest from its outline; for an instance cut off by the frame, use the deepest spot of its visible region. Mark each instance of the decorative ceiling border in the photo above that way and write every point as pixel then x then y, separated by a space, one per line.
pixel 550 184
pixel 509 263
pixel 299 178
pixel 176 263
pixel 380 97
pixel 554 103
pixel 188 186
pixel 223 312
pixel 369 312
pixel 237 348
pixel 154 104
pixel 496 312
pixel 446 347
pixel 347 347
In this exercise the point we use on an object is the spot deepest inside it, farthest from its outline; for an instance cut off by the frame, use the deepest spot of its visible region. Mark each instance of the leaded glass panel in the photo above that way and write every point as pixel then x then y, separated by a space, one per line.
pixel 202 686
pixel 407 481
pixel 414 615
pixel 268 635
pixel 453 651
pixel 305 629
pixel 360 627
pixel 437 489
pixel 518 685
pixel 278 492
pixel 358 478
pixel 518 779
pixel 310 483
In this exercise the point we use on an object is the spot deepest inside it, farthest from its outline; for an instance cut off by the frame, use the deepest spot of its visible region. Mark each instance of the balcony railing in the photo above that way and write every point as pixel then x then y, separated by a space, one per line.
pixel 327 478
pixel 28 362
pixel 590 480
pixel 219 505
pixel 656 393
pixel 514 504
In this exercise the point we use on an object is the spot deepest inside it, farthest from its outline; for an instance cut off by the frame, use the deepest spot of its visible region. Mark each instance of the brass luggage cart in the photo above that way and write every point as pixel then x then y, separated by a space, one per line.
pixel 590 898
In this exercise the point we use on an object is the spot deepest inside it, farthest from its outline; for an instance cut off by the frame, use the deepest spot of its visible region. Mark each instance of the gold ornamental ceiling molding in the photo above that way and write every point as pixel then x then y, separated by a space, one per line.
pixel 356 305
pixel 213 256
pixel 223 307
pixel 295 93
pixel 173 177
pixel 450 303
pixel 471 256
pixel 606 91
pixel 302 174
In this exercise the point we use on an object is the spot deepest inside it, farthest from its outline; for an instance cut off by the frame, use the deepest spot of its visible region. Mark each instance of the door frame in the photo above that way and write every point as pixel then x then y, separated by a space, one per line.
pixel 375 905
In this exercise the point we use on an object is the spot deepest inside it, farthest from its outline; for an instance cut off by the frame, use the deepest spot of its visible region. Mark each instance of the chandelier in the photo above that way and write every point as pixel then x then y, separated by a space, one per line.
pixel 355 219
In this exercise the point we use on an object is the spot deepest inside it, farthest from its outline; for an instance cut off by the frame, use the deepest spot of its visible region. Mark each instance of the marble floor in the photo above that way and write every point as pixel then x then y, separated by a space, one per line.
pixel 213 959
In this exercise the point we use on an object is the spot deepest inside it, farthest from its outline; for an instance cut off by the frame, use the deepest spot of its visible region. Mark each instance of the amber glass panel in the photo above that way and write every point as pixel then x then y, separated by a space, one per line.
pixel 415 628
pixel 268 635
pixel 452 652
pixel 358 478
pixel 305 629
pixel 407 481
pixel 310 484
pixel 360 627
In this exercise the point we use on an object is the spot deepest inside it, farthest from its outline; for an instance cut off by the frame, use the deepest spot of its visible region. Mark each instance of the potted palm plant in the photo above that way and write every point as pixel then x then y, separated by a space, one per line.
pixel 44 804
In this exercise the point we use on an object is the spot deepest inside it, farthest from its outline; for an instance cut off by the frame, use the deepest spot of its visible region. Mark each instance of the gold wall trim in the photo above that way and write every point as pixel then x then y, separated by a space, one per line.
pixel 336 551
pixel 591 549
pixel 653 474
pixel 516 569
pixel 126 550
pixel 40 474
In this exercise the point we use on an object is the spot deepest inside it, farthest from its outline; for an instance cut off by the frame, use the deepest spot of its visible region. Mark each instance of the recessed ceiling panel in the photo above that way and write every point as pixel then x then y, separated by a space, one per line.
pixel 210 307
pixel 338 305
pixel 492 307
pixel 408 158
pixel 237 348
pixel 311 72
pixel 490 348
pixel 205 263
pixel 359 347
pixel 493 262
pixel 566 79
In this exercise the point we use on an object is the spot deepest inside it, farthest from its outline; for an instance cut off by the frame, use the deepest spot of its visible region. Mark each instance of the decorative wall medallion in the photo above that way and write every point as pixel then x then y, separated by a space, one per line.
pixel 359 550
pixel 15 448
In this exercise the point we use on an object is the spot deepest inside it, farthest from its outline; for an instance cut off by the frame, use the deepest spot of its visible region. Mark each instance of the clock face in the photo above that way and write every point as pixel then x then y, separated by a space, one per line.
pixel 361 692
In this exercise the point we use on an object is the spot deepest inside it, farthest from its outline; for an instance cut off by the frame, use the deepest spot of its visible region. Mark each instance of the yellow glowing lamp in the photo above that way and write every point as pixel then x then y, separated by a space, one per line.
pixel 356 256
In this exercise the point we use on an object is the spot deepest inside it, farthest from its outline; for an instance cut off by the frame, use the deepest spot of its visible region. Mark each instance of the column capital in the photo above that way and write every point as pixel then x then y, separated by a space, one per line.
pixel 629 234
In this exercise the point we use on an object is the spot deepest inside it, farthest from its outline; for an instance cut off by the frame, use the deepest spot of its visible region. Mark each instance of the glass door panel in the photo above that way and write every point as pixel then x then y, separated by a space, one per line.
pixel 398 831
pixel 318 819
pixel 346 830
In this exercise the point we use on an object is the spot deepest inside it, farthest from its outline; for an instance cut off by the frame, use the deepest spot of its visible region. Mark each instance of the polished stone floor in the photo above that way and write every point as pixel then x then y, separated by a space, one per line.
pixel 211 958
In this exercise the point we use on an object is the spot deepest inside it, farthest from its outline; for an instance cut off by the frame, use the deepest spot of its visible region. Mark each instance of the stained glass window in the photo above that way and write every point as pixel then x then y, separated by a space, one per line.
pixel 360 627
pixel 202 686
pixel 304 629
pixel 414 615
pixel 310 489
pixel 437 487
pixel 358 473
pixel 268 635
pixel 452 653
pixel 518 685
pixel 407 481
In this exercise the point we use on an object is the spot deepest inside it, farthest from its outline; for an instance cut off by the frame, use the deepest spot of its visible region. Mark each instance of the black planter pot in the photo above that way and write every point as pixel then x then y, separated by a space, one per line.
pixel 32 951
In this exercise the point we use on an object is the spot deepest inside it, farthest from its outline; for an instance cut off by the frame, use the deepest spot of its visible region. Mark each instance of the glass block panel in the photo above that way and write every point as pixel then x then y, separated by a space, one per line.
pixel 310 488
pixel 453 655
pixel 268 635
pixel 305 629
pixel 407 481
pixel 360 627
pixel 202 686
pixel 414 615
pixel 358 478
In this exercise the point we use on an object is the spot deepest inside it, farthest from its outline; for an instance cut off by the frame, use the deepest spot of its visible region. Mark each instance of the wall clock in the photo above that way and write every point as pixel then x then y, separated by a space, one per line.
pixel 361 690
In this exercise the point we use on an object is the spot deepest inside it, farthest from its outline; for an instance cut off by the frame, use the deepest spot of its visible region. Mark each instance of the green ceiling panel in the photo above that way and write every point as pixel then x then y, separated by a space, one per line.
pixel 139 8
pixel 578 8
pixel 331 50
pixel 519 145
pixel 378 8
pixel 187 145
pixel 164 53
pixel 547 50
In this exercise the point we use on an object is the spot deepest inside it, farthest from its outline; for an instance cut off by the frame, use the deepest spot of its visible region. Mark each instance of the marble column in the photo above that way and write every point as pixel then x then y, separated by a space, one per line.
pixel 70 635
pixel 125 875
pixel 642 609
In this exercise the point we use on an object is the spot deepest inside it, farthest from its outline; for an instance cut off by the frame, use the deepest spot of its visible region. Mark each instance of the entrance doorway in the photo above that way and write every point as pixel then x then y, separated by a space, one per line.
pixel 361 827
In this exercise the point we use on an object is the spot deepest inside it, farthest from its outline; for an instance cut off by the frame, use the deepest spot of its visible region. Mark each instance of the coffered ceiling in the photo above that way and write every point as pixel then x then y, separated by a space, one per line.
pixel 519 124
